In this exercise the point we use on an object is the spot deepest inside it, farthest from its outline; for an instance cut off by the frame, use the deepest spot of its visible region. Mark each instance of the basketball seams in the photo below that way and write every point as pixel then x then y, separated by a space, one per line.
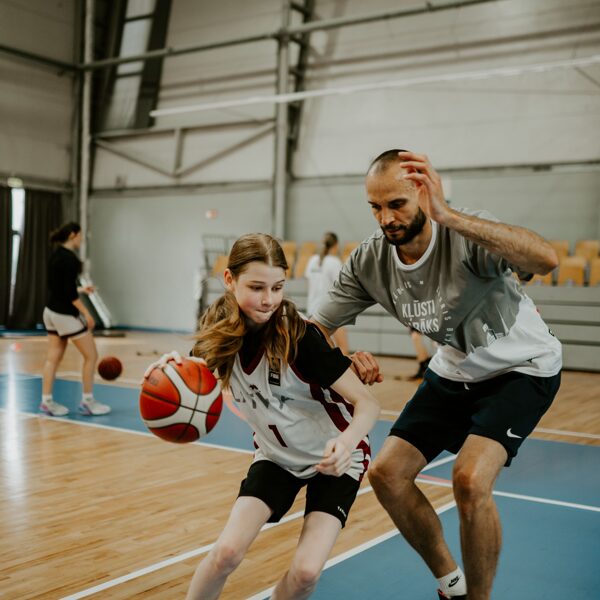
pixel 204 406
pixel 187 396
pixel 161 398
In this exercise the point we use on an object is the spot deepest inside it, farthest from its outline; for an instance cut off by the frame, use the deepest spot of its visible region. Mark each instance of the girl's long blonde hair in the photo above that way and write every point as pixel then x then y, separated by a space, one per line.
pixel 222 327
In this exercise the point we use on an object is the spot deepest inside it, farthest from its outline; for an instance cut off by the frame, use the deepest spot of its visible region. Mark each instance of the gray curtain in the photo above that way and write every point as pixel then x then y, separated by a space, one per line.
pixel 5 253
pixel 42 215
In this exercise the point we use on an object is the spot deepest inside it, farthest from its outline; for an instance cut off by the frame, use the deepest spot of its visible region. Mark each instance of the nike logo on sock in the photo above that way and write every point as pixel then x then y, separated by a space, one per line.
pixel 509 433
pixel 454 581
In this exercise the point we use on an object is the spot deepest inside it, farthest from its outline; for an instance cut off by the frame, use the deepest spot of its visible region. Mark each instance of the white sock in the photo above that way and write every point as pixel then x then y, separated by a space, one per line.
pixel 46 398
pixel 88 397
pixel 453 584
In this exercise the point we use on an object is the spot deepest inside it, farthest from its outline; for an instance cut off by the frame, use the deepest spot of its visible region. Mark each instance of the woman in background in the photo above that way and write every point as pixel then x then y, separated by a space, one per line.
pixel 321 271
pixel 66 317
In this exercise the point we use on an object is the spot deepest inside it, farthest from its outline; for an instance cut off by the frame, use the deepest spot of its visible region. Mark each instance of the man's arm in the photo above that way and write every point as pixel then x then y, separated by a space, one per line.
pixel 519 246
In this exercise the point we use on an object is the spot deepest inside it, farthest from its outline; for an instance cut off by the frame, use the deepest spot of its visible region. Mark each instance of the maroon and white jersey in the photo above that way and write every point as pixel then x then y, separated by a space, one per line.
pixel 292 409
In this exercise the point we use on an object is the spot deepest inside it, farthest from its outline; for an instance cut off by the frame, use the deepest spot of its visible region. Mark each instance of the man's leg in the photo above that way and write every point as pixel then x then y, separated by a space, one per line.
pixel 475 471
pixel 392 476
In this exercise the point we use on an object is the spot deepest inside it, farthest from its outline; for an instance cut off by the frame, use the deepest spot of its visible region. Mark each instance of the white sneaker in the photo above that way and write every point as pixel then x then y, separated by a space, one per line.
pixel 53 409
pixel 93 407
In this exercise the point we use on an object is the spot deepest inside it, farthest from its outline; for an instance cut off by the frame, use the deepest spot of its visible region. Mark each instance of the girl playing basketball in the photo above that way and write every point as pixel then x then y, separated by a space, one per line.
pixel 309 412
pixel 66 318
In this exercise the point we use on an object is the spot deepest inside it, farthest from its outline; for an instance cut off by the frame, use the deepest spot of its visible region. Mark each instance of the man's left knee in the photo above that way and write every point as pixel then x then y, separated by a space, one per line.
pixel 470 490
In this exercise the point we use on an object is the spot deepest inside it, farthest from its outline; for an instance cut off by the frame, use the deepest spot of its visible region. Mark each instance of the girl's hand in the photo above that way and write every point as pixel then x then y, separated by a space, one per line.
pixel 88 289
pixel 90 321
pixel 336 458
pixel 161 363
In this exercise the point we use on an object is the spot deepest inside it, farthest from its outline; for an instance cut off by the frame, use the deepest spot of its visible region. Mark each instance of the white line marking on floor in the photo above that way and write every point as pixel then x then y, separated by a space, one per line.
pixel 203 549
pixel 350 553
pixel 593 436
pixel 448 484
pixel 581 434
pixel 136 382
pixel 125 430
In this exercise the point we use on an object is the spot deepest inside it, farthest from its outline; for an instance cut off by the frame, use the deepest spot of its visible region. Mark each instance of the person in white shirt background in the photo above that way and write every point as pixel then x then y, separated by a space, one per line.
pixel 321 271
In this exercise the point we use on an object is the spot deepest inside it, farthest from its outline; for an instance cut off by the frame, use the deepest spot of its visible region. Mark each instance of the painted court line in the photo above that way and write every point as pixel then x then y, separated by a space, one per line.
pixel 136 382
pixel 447 483
pixel 204 549
pixel 593 436
pixel 350 553
pixel 19 414
pixel 123 430
pixel 581 434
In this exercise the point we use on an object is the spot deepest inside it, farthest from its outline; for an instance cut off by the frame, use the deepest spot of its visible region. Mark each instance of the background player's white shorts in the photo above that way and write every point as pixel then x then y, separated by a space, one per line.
pixel 65 326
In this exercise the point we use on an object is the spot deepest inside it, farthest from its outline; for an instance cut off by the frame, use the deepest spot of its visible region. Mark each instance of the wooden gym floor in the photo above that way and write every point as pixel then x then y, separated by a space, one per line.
pixel 94 507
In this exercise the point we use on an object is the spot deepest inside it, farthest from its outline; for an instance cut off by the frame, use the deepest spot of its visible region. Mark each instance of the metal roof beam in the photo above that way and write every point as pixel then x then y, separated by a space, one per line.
pixel 286 32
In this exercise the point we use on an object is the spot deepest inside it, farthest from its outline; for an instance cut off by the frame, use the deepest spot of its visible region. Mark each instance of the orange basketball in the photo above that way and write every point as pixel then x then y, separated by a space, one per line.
pixel 110 368
pixel 181 403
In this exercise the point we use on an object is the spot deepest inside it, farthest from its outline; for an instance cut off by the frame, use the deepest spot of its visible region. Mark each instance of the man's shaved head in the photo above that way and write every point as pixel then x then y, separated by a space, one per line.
pixel 384 160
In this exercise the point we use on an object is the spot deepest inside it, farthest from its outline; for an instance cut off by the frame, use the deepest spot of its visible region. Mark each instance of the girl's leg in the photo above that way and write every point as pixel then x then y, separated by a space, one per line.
pixel 318 536
pixel 56 350
pixel 89 406
pixel 247 517
pixel 86 345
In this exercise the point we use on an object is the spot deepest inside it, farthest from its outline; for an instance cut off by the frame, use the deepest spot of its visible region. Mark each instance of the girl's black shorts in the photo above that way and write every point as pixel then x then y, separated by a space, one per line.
pixel 278 488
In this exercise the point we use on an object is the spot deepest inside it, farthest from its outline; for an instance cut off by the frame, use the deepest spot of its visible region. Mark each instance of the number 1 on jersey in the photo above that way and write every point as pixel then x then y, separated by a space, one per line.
pixel 276 433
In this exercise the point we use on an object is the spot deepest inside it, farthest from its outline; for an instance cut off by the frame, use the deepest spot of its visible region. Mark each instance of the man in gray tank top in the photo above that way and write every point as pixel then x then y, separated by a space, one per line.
pixel 448 273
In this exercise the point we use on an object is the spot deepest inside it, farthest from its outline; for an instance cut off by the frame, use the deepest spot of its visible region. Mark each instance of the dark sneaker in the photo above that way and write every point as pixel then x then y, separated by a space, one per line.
pixel 421 372
pixel 442 596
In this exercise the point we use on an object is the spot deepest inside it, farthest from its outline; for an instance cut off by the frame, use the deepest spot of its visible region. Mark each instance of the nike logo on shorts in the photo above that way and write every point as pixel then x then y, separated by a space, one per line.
pixel 509 433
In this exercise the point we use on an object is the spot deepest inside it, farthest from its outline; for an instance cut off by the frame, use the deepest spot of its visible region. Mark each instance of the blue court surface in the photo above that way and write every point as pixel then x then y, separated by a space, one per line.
pixel 549 504
pixel 230 431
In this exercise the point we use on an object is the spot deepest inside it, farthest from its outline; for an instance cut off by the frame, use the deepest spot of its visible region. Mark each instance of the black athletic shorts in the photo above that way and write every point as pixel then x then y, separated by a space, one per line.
pixel 442 413
pixel 278 489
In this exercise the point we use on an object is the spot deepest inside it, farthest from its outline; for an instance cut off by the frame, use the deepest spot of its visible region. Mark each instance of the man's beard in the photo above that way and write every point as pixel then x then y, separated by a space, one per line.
pixel 410 231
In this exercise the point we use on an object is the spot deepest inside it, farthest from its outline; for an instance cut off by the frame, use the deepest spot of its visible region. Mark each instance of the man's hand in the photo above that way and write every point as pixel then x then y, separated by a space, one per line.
pixel 428 183
pixel 336 458
pixel 366 367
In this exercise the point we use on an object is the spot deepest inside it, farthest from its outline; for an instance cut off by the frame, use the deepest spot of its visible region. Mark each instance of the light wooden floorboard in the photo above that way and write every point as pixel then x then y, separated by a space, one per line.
pixel 82 505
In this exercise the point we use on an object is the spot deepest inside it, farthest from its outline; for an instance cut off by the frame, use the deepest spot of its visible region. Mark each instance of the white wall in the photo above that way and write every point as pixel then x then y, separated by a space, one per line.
pixel 558 205
pixel 536 118
pixel 531 118
pixel 36 101
pixel 228 73
pixel 146 250
pixel 550 116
